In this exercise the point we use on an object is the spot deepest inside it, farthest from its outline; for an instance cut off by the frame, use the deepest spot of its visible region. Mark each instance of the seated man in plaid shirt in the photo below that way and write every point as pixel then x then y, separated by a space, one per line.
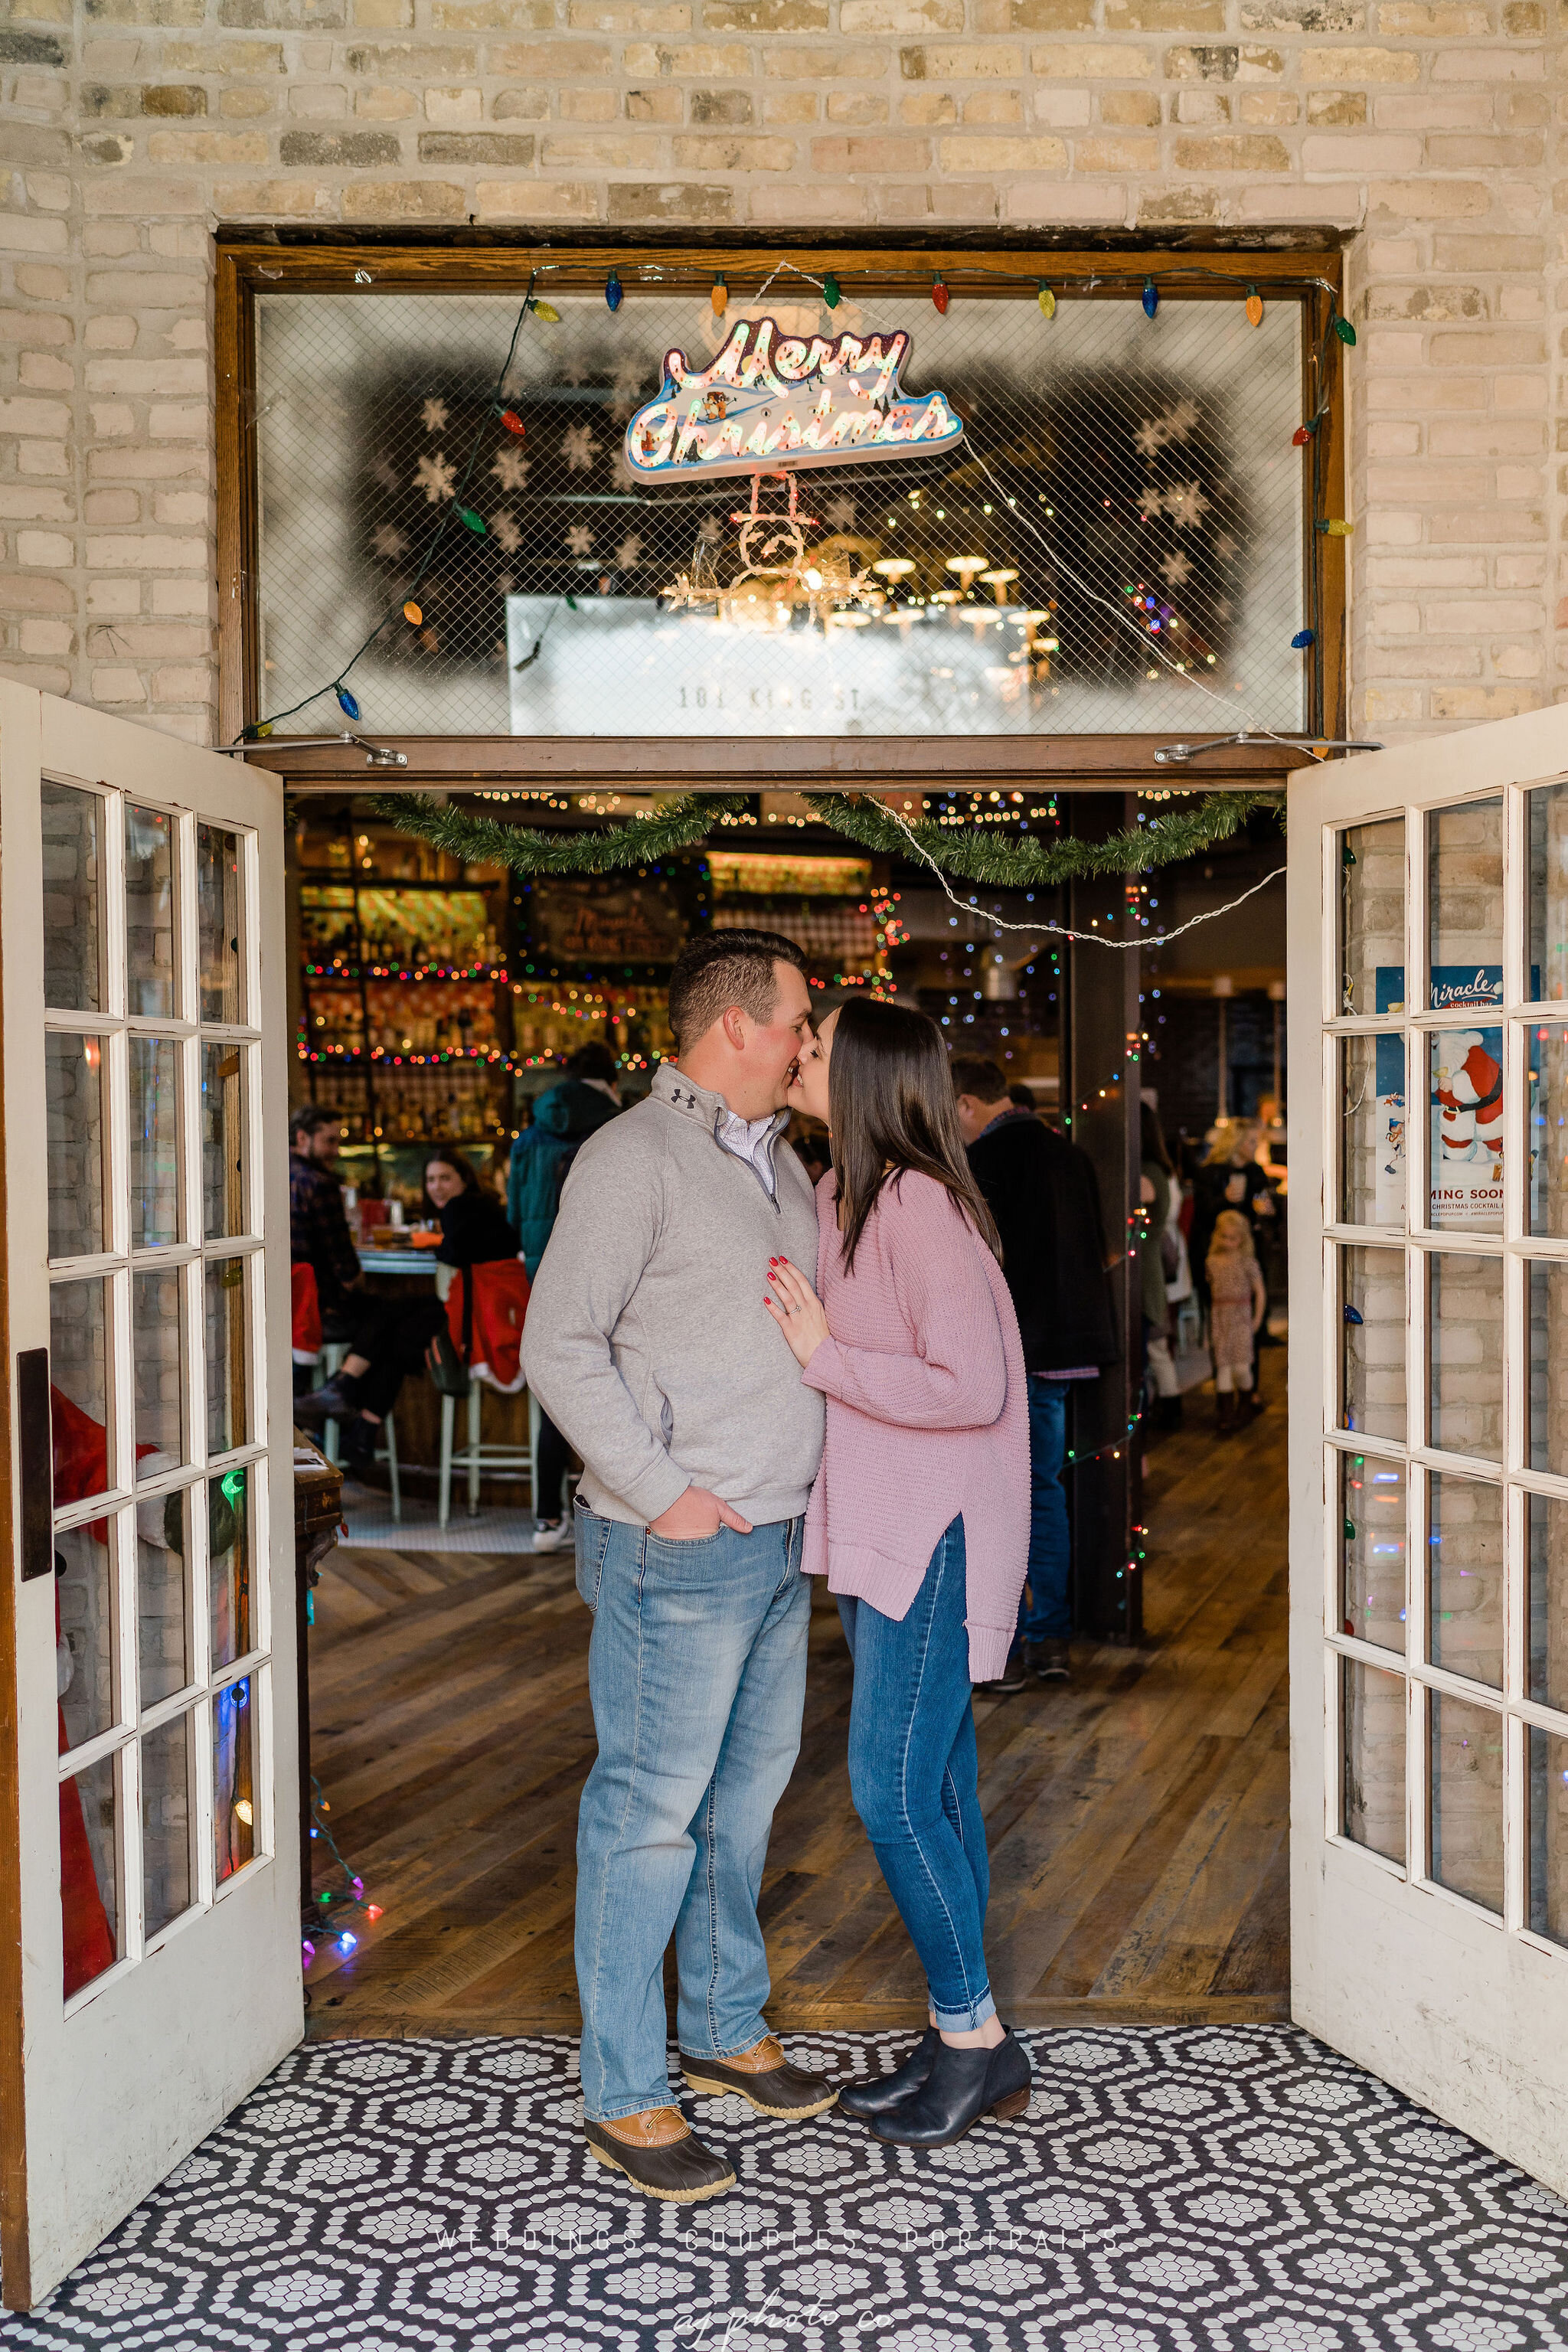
pixel 319 1232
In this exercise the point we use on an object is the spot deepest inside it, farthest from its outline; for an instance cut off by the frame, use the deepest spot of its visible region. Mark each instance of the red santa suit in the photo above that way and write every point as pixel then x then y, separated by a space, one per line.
pixel 1470 1105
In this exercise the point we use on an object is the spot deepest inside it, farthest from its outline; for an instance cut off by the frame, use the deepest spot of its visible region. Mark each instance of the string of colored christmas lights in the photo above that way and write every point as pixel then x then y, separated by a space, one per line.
pixel 1061 930
pixel 351 1899
pixel 404 604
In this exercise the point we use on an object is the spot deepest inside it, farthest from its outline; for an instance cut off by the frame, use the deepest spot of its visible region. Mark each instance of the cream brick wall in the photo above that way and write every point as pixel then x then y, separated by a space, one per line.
pixel 1435 131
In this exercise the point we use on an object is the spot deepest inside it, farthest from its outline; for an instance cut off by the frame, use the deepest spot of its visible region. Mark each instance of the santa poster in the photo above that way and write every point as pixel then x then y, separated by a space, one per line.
pixel 1466 1123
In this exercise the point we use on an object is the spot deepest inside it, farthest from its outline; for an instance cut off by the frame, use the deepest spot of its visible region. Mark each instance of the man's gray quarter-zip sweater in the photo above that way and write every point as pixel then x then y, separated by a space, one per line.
pixel 647 1340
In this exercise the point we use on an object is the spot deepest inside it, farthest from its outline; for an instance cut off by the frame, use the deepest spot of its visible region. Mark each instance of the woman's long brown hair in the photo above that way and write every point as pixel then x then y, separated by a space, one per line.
pixel 892 1108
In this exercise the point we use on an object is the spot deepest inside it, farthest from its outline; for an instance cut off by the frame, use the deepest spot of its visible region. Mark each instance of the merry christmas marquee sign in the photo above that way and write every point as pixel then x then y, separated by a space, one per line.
pixel 786 401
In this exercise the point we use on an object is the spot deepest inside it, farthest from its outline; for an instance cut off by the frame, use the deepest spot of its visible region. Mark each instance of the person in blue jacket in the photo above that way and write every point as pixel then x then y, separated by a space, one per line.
pixel 564 1120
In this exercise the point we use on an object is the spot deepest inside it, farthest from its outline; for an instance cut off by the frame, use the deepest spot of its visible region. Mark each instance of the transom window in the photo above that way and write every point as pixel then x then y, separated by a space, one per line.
pixel 152 1060
pixel 1122 542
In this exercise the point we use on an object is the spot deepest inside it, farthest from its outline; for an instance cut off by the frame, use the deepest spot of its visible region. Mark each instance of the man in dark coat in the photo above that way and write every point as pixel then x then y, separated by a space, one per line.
pixel 1042 1192
pixel 564 1118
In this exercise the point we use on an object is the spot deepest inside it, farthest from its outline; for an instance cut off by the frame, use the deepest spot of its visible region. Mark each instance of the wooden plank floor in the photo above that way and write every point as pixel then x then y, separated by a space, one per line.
pixel 1137 1819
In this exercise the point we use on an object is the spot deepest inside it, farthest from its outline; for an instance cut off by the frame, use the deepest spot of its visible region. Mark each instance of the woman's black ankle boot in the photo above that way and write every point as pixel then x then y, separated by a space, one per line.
pixel 963 2085
pixel 868 2099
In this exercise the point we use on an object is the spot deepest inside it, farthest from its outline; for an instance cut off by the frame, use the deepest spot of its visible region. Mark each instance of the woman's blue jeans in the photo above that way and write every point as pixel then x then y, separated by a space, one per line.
pixel 913 1769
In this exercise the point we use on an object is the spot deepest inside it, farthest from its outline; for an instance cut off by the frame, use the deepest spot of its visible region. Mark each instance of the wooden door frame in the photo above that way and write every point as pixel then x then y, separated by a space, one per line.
pixel 21 748
pixel 248 264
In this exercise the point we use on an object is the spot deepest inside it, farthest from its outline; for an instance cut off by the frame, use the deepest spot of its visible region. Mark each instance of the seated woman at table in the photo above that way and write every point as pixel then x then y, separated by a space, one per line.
pixel 395 1337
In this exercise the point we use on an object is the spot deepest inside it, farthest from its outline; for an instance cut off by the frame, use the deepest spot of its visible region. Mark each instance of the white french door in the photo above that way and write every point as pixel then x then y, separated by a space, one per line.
pixel 1428 960
pixel 154 1870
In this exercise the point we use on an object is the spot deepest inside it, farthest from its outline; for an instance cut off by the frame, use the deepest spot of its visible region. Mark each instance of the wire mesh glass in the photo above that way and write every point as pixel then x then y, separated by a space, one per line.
pixel 1117 546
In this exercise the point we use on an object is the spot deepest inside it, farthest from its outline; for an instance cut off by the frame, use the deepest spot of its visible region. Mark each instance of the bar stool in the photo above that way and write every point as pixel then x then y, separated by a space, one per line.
pixel 333 1351
pixel 499 1461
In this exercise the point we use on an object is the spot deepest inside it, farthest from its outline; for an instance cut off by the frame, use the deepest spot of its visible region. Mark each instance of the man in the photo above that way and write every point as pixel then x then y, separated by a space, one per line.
pixel 563 1118
pixel 319 1232
pixel 1042 1192
pixel 649 1344
pixel 585 1100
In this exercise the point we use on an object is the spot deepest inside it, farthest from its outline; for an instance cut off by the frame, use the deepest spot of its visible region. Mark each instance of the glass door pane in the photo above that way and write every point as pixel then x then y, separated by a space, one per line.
pixel 157 1353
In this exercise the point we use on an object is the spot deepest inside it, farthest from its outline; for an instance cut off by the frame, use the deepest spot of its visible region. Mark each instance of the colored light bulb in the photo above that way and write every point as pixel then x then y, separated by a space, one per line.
pixel 830 291
pixel 1150 297
pixel 348 1942
pixel 347 704
pixel 1254 307
pixel 939 295
pixel 614 291
pixel 513 422
pixel 1303 433
pixel 1048 302
pixel 1337 527
pixel 472 521
pixel 1302 639
pixel 547 312
pixel 411 614
pixel 720 298
pixel 1344 331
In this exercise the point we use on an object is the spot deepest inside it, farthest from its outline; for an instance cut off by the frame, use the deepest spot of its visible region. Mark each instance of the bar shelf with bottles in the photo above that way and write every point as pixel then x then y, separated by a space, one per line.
pixel 404 1022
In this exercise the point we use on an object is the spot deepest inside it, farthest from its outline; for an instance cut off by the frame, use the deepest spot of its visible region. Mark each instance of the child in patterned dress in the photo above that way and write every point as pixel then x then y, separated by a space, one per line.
pixel 1238 1302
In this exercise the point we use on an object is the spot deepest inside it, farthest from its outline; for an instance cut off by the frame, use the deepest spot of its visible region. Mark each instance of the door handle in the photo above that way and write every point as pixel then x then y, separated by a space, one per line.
pixel 34 1462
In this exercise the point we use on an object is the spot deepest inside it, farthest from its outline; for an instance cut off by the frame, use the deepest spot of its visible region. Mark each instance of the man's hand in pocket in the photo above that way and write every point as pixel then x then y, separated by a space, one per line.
pixel 696 1515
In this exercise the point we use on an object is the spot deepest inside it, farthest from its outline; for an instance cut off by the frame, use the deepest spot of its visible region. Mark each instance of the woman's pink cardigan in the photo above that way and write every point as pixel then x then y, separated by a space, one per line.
pixel 928 1414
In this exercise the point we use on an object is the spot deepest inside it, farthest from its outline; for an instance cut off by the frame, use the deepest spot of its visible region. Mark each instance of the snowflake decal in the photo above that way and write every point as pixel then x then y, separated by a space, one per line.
pixel 579 540
pixel 510 469
pixel 434 415
pixel 1176 570
pixel 1161 431
pixel 435 478
pixel 505 533
pixel 840 514
pixel 390 542
pixel 628 555
pixel 1185 504
pixel 578 448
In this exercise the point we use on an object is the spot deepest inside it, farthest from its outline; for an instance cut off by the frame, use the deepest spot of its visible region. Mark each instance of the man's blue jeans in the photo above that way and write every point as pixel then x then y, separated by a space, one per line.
pixel 913 1767
pixel 697 1675
pixel 1044 1614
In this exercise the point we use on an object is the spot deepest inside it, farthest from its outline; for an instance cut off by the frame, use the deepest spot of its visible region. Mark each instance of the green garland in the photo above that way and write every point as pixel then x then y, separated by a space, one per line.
pixel 1007 862
pixel 684 823
pixel 967 852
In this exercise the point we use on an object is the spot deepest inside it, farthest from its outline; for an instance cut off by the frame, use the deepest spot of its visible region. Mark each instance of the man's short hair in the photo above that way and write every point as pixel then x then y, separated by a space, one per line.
pixel 309 1119
pixel 971 1075
pixel 593 1061
pixel 724 968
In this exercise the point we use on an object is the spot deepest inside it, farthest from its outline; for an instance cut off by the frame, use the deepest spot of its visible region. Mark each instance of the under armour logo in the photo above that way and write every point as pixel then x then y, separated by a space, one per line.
pixel 687 1101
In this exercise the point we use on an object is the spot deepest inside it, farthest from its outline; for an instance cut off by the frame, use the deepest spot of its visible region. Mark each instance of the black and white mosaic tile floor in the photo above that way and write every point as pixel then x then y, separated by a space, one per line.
pixel 1197 2190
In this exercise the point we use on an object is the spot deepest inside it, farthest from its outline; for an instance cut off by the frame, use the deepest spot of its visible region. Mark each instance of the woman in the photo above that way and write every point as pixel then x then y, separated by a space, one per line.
pixel 920 1520
pixel 395 1337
